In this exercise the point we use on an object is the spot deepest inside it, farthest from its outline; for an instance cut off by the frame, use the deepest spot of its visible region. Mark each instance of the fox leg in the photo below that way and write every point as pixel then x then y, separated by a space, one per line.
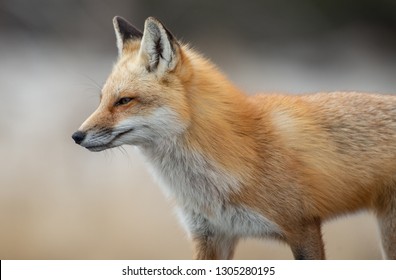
pixel 214 247
pixel 209 242
pixel 387 224
pixel 307 244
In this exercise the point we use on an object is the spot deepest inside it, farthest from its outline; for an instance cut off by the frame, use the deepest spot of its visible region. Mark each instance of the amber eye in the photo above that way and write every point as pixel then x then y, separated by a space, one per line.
pixel 123 101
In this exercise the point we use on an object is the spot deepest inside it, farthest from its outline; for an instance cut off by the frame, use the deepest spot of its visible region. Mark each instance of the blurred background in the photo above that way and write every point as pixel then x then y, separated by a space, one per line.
pixel 59 201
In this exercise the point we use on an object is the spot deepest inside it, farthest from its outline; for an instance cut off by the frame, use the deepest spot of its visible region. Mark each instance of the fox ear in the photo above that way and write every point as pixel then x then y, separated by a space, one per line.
pixel 159 48
pixel 124 32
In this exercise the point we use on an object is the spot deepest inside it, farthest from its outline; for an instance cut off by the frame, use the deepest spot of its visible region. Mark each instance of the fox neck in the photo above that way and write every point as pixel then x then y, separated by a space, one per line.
pixel 223 120
pixel 207 155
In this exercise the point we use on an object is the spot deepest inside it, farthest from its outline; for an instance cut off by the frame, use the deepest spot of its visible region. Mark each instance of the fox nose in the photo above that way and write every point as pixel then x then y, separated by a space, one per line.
pixel 78 136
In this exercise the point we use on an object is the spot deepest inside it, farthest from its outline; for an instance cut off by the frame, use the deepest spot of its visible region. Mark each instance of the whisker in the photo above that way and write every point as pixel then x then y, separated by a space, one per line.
pixel 109 154
pixel 96 84
pixel 123 151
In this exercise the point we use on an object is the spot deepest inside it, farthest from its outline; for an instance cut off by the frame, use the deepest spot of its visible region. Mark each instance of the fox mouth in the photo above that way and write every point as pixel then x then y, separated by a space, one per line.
pixel 100 148
pixel 111 144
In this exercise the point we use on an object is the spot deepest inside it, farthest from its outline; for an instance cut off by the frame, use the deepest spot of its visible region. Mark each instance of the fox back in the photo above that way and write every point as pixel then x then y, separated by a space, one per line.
pixel 245 166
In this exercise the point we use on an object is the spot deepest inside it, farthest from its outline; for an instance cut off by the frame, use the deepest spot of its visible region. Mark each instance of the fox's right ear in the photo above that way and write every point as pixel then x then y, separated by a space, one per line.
pixel 124 32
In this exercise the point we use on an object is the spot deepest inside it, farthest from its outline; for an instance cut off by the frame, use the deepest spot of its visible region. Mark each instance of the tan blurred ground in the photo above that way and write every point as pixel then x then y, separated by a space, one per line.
pixel 59 201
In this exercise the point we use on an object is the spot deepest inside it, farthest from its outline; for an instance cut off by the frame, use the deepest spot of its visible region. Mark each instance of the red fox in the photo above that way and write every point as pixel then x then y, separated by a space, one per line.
pixel 242 166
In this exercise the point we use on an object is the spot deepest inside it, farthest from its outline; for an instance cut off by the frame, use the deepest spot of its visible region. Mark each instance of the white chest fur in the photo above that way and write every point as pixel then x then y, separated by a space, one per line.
pixel 201 190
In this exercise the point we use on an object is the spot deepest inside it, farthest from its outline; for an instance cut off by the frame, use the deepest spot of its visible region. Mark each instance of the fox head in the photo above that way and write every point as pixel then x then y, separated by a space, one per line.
pixel 144 97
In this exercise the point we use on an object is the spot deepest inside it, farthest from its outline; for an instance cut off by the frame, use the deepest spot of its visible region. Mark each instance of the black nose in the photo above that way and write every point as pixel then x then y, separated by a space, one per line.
pixel 78 136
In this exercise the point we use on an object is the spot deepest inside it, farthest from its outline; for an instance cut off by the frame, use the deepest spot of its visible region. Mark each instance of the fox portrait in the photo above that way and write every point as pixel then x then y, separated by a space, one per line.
pixel 245 166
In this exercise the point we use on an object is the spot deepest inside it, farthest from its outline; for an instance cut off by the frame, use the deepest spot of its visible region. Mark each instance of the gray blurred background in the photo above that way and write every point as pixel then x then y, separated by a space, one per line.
pixel 59 201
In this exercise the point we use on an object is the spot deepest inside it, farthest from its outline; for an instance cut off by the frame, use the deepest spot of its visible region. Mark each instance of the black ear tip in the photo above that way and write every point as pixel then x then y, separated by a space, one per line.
pixel 155 23
pixel 126 28
pixel 152 19
pixel 115 20
pixel 118 19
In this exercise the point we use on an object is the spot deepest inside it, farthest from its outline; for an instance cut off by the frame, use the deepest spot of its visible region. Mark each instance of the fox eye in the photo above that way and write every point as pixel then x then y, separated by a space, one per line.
pixel 123 101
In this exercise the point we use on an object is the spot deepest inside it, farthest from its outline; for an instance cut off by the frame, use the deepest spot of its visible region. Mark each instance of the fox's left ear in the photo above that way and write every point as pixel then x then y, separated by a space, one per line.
pixel 159 48
pixel 125 32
